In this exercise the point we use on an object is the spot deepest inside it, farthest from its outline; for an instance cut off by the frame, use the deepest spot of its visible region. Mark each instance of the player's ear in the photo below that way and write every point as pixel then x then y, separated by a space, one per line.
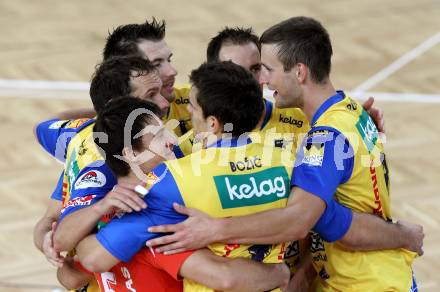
pixel 129 154
pixel 301 72
pixel 214 125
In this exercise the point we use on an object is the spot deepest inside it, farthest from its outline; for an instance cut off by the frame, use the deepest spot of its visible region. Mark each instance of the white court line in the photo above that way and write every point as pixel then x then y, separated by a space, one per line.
pixel 399 63
pixel 388 96
pixel 44 84
pixel 42 89
pixel 397 97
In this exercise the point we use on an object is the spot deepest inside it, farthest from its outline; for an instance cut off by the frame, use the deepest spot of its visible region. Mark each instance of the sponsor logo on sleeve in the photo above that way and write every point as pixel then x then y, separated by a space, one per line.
pixel 151 178
pixel 57 124
pixel 74 124
pixel 257 188
pixel 91 179
pixel 314 153
pixel 80 201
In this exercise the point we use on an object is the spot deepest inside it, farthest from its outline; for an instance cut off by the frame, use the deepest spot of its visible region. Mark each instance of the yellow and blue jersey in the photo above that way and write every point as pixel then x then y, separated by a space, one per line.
pixel 179 110
pixel 343 157
pixel 230 187
pixel 281 128
pixel 232 177
pixel 86 178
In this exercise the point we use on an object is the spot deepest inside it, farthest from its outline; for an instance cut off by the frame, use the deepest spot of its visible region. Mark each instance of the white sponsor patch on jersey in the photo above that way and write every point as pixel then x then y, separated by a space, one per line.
pixel 80 201
pixel 91 179
pixel 57 124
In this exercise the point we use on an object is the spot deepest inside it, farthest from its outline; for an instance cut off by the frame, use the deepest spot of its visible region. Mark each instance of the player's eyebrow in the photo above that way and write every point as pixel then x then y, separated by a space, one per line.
pixel 267 67
pixel 256 66
pixel 162 59
pixel 153 90
pixel 157 60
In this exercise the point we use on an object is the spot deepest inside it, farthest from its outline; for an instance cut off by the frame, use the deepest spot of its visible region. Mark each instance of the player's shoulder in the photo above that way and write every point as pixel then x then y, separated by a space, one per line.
pixel 291 117
pixel 342 113
pixel 181 93
pixel 78 124
pixel 182 89
pixel 322 134
pixel 54 135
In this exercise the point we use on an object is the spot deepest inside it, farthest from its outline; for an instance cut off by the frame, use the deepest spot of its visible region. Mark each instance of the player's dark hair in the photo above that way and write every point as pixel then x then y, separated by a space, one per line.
pixel 302 40
pixel 124 39
pixel 230 93
pixel 112 78
pixel 230 36
pixel 111 121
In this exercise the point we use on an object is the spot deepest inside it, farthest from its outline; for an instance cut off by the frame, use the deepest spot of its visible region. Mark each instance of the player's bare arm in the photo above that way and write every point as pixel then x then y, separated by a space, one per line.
pixel 72 278
pixel 372 233
pixel 202 267
pixel 93 256
pixel 303 278
pixel 261 228
pixel 276 226
pixel 225 274
pixel 43 233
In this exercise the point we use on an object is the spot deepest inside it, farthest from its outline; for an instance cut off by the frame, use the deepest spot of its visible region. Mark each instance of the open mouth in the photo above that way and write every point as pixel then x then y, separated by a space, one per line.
pixel 168 85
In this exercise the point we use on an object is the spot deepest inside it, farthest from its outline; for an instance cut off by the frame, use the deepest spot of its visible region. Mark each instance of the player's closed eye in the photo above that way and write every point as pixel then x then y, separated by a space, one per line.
pixel 256 69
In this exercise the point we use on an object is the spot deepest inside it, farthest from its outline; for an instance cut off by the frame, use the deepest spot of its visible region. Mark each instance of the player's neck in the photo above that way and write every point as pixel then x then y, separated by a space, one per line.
pixel 260 122
pixel 131 177
pixel 315 95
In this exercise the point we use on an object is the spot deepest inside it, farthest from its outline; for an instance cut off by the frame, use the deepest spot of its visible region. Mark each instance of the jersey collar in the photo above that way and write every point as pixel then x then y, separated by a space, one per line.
pixel 231 142
pixel 269 107
pixel 340 95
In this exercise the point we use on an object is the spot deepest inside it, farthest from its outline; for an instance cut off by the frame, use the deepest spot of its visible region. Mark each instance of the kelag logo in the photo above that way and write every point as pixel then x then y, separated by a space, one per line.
pixel 258 188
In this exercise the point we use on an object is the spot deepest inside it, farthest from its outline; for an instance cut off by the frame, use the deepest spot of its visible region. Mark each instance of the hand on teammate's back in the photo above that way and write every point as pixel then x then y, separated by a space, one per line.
pixel 415 236
pixel 122 198
pixel 375 113
pixel 195 232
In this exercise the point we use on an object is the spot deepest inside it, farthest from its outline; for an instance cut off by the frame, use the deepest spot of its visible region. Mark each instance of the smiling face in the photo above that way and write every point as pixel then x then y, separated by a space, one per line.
pixel 148 87
pixel 246 55
pixel 288 92
pixel 160 55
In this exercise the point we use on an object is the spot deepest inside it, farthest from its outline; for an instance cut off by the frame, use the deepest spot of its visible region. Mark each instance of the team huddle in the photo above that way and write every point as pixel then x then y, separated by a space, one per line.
pixel 212 186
